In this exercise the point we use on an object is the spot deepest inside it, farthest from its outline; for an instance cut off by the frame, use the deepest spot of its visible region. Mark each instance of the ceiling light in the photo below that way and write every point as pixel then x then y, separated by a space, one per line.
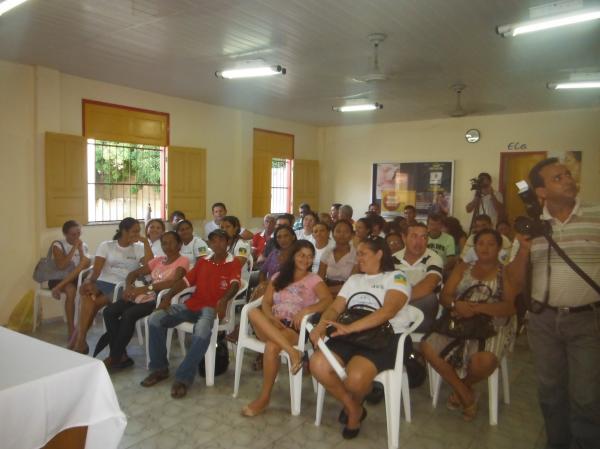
pixel 358 107
pixel 550 22
pixel 7 5
pixel 251 72
pixel 575 85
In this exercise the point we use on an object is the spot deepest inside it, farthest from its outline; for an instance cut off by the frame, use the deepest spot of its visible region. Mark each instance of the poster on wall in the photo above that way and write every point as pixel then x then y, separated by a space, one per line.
pixel 425 185
pixel 572 160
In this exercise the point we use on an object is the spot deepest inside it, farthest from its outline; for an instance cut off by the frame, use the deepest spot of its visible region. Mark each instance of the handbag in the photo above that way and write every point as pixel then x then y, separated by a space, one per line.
pixel 221 357
pixel 46 269
pixel 377 337
pixel 478 327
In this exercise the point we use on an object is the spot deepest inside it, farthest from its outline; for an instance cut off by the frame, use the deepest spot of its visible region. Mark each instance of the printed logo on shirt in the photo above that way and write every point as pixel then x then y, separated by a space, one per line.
pixel 243 251
pixel 400 279
pixel 223 284
pixel 203 250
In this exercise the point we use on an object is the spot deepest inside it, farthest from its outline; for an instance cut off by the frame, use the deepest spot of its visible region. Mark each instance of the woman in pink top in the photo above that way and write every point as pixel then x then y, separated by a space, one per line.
pixel 137 302
pixel 291 294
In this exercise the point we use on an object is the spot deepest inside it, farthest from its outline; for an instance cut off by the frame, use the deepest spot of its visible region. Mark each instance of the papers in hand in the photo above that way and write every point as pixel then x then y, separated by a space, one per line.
pixel 339 369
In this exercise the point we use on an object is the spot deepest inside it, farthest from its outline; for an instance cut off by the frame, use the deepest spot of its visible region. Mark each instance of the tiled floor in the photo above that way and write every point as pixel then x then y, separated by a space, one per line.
pixel 209 417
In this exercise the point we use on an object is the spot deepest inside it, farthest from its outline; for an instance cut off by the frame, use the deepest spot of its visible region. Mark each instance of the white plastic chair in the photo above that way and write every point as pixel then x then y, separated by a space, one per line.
pixel 227 325
pixel 248 341
pixel 395 385
pixel 43 292
pixel 436 382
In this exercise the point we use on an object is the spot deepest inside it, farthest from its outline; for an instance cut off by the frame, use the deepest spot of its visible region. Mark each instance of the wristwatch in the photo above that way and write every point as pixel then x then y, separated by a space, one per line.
pixel 150 288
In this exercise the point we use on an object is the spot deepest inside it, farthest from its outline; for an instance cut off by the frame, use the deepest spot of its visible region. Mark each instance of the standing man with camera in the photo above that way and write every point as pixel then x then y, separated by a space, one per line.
pixel 486 201
pixel 564 318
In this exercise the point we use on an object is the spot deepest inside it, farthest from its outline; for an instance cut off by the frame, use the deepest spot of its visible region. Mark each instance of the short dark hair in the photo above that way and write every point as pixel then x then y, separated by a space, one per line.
pixel 377 220
pixel 288 217
pixel 491 232
pixel 483 217
pixel 218 233
pixel 309 214
pixel 173 234
pixel 177 213
pixel 535 179
pixel 410 206
pixel 66 227
pixel 183 222
pixel 218 205
pixel 304 206
pixel 336 205
pixel 344 222
pixel 418 224
pixel 438 218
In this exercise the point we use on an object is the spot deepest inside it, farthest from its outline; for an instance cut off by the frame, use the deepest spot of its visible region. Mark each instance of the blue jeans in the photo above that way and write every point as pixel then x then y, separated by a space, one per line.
pixel 161 320
pixel 566 354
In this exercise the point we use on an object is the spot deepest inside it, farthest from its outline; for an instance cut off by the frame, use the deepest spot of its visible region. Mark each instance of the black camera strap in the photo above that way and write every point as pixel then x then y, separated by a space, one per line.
pixel 582 274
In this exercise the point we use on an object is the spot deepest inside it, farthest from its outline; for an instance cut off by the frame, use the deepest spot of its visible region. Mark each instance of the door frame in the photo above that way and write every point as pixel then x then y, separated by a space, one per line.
pixel 507 155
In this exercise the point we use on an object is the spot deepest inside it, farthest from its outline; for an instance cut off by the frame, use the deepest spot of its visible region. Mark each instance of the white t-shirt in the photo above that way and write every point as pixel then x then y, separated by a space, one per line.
pixel 469 256
pixel 363 288
pixel 300 235
pixel 430 262
pixel 120 261
pixel 486 206
pixel 67 247
pixel 319 253
pixel 157 248
pixel 241 248
pixel 196 248
pixel 211 226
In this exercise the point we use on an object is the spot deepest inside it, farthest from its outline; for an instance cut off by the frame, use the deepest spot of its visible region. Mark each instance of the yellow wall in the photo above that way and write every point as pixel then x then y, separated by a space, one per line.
pixel 34 100
pixel 348 152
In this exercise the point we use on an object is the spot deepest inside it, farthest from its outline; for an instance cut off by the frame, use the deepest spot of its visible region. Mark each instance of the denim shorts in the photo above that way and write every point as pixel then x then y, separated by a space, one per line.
pixel 106 288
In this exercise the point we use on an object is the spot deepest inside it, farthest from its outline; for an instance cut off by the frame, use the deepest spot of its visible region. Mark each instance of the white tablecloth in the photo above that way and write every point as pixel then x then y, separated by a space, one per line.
pixel 45 389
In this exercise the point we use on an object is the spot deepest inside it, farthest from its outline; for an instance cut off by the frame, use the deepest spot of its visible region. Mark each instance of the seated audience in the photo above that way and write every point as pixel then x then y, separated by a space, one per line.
pixel 362 230
pixel 155 228
pixel 192 247
pixel 423 268
pixel 478 358
pixel 70 252
pixel 394 242
pixel 480 223
pixel 292 293
pixel 114 260
pixel 308 221
pixel 453 227
pixel 441 242
pixel 410 214
pixel 260 239
pixel 219 211
pixel 137 302
pixel 322 241
pixel 339 262
pixel 378 280
pixel 302 210
pixel 217 280
pixel 238 248
pixel 334 212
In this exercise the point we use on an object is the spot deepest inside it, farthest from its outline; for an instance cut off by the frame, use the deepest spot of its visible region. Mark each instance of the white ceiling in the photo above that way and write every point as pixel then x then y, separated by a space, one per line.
pixel 175 46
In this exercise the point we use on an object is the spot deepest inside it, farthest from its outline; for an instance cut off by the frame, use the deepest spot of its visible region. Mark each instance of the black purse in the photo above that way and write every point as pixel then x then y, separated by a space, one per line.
pixel 478 327
pixel 378 337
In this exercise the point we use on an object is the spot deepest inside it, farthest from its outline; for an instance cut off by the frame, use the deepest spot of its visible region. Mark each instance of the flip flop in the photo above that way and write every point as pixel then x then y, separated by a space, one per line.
pixel 453 403
pixel 299 364
pixel 178 390
pixel 250 412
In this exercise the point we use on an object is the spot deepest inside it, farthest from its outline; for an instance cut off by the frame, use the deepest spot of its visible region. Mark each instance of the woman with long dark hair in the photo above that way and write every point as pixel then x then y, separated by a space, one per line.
pixel 238 248
pixel 114 260
pixel 292 293
pixel 387 291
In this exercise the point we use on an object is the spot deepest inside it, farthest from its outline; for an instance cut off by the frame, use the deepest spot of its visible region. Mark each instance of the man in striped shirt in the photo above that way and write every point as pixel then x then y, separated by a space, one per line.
pixel 565 336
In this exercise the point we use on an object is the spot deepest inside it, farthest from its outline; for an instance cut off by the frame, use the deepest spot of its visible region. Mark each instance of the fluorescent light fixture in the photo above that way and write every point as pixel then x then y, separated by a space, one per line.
pixel 358 107
pixel 551 22
pixel 251 72
pixel 7 5
pixel 575 85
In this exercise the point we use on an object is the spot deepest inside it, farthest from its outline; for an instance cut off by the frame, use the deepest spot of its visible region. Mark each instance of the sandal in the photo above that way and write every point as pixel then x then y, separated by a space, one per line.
pixel 154 378
pixel 178 390
pixel 250 412
pixel 453 402
pixel 470 411
pixel 298 365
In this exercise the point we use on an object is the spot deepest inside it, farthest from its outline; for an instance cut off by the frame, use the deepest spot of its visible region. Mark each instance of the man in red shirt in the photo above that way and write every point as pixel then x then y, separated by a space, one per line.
pixel 217 280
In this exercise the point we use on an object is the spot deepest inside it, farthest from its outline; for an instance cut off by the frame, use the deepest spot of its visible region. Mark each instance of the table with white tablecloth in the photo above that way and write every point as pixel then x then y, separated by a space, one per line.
pixel 45 389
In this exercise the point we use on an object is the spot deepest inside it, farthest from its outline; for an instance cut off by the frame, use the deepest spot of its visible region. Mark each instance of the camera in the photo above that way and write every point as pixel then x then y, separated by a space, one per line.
pixel 532 225
pixel 476 184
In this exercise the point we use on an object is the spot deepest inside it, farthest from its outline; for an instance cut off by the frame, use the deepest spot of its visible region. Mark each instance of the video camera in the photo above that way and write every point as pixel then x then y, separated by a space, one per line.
pixel 532 225
pixel 476 184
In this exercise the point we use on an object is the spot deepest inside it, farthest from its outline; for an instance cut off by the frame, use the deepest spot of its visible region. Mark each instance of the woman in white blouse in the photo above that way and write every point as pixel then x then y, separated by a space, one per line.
pixel 193 247
pixel 113 262
pixel 339 262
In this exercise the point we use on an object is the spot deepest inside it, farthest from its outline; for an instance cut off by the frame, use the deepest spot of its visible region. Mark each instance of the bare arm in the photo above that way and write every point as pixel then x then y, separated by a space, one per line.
pixel 322 270
pixel 474 204
pixel 448 294
pixel 227 296
pixel 425 287
pixel 324 302
pixel 516 271
pixel 62 259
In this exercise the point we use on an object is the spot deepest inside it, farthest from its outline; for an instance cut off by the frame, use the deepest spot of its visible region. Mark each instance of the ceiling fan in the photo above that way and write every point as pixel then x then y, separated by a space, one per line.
pixel 376 74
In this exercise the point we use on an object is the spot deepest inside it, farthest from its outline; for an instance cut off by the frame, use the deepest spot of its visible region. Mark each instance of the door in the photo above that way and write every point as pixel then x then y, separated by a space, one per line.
pixel 515 167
